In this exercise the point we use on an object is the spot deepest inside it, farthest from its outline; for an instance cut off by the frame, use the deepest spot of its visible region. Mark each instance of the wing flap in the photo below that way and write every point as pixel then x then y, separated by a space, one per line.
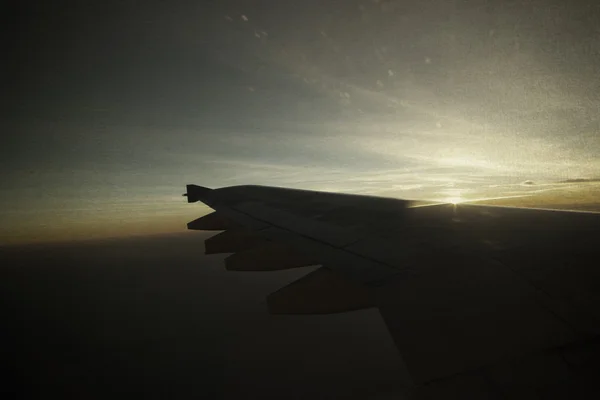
pixel 268 257
pixel 231 242
pixel 212 222
pixel 321 292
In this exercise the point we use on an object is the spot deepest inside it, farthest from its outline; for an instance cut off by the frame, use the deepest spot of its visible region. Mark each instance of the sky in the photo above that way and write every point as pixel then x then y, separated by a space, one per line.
pixel 113 106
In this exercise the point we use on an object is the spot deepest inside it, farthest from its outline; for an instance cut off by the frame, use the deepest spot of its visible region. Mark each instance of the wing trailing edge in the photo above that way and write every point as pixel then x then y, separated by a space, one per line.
pixel 232 241
pixel 212 222
pixel 320 292
pixel 267 257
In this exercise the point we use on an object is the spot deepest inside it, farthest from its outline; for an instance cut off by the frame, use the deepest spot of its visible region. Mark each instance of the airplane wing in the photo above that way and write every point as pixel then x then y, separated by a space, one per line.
pixel 481 301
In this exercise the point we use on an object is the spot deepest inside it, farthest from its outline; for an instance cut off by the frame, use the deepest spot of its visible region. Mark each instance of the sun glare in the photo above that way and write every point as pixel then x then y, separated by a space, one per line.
pixel 453 200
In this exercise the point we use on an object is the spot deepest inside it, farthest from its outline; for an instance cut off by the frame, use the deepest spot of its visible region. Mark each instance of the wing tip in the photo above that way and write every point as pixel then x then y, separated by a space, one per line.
pixel 196 193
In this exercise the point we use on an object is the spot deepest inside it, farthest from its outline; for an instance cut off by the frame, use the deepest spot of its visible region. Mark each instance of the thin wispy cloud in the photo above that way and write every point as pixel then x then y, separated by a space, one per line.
pixel 411 102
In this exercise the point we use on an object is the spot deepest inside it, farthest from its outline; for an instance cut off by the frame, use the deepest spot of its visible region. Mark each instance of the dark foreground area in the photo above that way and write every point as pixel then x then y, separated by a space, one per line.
pixel 153 317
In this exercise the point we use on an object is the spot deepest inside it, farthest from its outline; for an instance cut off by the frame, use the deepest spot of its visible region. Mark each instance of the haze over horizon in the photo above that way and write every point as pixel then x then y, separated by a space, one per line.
pixel 114 106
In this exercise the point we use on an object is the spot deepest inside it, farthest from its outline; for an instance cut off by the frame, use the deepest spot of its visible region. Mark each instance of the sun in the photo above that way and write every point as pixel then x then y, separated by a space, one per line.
pixel 453 200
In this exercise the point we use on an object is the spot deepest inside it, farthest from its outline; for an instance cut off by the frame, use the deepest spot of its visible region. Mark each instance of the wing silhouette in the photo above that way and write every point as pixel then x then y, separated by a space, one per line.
pixel 481 301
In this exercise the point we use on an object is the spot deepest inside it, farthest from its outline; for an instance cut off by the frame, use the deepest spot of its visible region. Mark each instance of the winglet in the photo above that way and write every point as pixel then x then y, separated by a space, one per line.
pixel 197 193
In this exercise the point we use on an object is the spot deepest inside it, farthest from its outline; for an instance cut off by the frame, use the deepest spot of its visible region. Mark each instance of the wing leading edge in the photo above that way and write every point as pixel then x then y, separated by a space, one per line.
pixel 462 289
